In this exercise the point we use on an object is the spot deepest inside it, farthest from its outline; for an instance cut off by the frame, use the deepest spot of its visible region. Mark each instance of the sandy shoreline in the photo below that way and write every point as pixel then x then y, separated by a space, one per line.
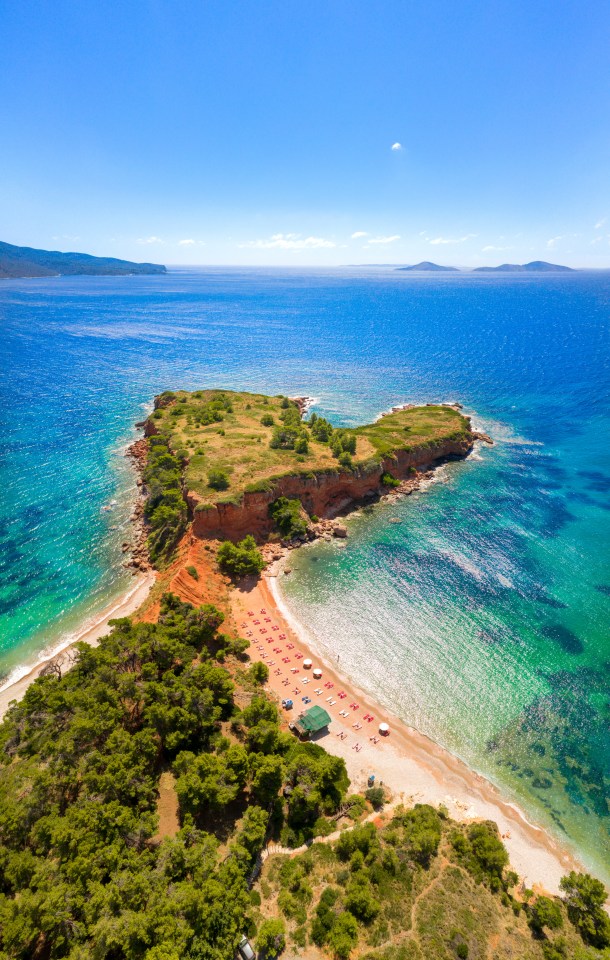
pixel 410 765
pixel 90 632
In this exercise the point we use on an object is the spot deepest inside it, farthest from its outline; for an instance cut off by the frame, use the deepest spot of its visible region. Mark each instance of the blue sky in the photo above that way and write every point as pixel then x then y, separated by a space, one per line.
pixel 307 132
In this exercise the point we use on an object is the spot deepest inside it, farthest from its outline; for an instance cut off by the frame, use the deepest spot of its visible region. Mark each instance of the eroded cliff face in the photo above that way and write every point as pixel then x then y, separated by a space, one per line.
pixel 323 494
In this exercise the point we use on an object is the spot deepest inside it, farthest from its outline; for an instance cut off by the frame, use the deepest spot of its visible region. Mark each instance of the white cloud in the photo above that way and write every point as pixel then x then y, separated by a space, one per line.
pixel 65 236
pixel 358 234
pixel 600 223
pixel 490 246
pixel 191 243
pixel 150 240
pixel 290 241
pixel 395 236
pixel 396 146
pixel 438 240
pixel 551 243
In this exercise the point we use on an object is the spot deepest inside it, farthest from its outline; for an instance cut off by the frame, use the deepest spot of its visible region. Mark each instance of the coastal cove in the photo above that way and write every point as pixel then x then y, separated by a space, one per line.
pixel 538 492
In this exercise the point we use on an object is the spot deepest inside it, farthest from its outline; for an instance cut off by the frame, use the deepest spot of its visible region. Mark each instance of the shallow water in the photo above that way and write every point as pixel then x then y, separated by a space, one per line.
pixel 485 610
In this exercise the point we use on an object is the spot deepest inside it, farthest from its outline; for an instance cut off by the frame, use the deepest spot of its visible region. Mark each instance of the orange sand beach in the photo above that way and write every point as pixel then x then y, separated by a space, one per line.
pixel 412 767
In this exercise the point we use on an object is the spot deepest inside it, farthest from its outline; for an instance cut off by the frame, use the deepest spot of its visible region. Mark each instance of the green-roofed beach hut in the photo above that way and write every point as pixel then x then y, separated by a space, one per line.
pixel 310 722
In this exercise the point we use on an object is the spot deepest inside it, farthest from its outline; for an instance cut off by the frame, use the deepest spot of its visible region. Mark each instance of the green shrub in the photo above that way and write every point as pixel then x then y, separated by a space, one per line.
pixel 301 445
pixel 343 935
pixel 218 479
pixel 192 571
pixel 267 420
pixel 375 796
pixel 585 897
pixel 283 438
pixel 299 937
pixel 240 559
pixel 389 481
pixel 422 832
pixel 288 517
pixel 271 938
pixel 259 486
pixel 545 912
pixel 320 429
pixel 258 673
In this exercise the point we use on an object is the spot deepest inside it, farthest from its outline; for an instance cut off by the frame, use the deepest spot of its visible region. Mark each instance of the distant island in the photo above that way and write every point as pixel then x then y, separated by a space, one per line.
pixel 29 262
pixel 428 266
pixel 535 266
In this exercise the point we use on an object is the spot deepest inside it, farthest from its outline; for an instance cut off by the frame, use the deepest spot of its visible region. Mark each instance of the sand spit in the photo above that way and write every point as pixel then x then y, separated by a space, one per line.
pixel 412 767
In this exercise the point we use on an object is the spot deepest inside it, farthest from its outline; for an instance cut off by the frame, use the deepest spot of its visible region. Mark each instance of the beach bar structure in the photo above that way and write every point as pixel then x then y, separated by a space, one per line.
pixel 310 722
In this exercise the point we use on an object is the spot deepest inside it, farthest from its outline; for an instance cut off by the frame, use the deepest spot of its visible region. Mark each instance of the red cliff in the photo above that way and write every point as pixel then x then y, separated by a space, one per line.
pixel 322 494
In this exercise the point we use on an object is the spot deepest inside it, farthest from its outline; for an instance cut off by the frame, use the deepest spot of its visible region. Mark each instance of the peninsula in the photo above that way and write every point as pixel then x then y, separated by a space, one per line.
pixel 240 452
pixel 156 804
pixel 29 262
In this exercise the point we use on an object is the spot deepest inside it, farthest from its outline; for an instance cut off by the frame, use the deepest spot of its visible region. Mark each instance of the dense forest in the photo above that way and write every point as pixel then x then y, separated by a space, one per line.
pixel 82 870
pixel 86 872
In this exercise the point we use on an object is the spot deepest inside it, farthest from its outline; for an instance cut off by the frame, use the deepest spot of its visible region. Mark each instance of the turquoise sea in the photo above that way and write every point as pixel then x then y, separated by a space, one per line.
pixel 482 617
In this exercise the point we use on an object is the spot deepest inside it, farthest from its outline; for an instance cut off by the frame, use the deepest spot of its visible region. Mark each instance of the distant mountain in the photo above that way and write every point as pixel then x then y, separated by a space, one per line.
pixel 535 266
pixel 427 266
pixel 28 262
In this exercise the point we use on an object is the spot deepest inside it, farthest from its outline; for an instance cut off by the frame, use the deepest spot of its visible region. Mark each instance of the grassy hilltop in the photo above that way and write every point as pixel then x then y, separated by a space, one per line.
pixel 251 440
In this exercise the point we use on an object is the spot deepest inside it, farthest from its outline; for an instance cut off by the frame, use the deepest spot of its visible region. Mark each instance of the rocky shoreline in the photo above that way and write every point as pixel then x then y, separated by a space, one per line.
pixel 136 549
pixel 329 529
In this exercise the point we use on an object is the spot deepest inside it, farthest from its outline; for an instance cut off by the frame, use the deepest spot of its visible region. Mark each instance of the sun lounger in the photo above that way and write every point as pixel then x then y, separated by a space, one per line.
pixel 318 690
pixel 332 702
pixel 343 713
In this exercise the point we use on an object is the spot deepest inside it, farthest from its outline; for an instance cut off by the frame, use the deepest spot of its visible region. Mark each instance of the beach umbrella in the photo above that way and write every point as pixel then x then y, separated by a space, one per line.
pixel 317 673
pixel 307 664
pixel 384 729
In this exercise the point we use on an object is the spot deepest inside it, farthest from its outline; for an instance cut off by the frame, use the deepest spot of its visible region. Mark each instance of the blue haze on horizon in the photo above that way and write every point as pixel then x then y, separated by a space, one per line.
pixel 262 133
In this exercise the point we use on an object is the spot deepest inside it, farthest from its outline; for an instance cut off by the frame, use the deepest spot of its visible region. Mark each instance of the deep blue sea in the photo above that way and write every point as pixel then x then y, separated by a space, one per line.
pixel 485 609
